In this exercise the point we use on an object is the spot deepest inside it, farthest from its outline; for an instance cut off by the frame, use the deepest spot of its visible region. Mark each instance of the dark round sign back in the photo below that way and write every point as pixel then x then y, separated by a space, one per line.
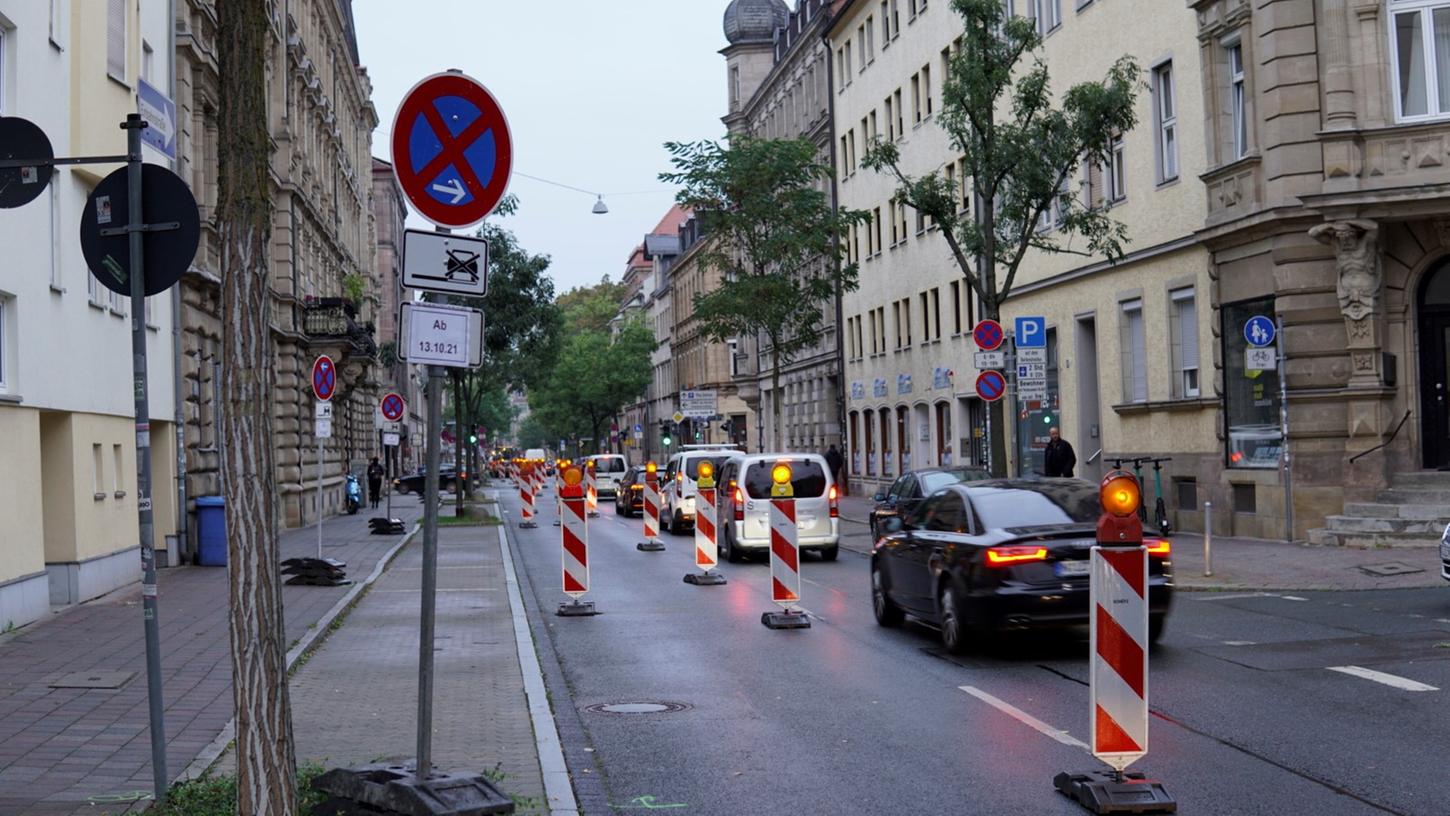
pixel 164 198
pixel 23 139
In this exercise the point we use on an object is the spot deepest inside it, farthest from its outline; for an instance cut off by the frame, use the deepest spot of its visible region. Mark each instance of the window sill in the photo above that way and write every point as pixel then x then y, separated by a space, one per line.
pixel 1190 404
pixel 1166 183
pixel 99 497
pixel 56 288
pixel 97 305
pixel 13 399
pixel 118 80
pixel 120 494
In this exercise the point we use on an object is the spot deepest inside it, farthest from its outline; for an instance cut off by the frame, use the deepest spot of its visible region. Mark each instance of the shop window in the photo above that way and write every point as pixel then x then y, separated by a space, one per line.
pixel 1251 397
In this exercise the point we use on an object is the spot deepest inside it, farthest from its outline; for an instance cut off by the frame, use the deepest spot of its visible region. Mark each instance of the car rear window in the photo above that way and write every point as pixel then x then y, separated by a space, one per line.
pixel 609 465
pixel 1002 508
pixel 807 477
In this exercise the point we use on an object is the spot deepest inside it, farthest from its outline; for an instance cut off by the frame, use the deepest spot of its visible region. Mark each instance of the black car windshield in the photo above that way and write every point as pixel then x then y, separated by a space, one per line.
pixel 808 479
pixel 934 480
pixel 692 466
pixel 1035 505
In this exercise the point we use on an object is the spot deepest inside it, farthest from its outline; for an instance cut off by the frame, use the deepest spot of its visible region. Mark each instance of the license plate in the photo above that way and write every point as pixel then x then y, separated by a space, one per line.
pixel 802 522
pixel 1073 569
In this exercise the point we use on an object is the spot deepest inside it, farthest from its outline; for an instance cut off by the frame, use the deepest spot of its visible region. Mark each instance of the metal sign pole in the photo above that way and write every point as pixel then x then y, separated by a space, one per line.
pixel 135 228
pixel 1284 433
pixel 430 566
pixel 319 489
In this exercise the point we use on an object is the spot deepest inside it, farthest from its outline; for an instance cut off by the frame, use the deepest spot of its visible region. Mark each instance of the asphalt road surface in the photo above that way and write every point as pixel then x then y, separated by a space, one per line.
pixel 1316 703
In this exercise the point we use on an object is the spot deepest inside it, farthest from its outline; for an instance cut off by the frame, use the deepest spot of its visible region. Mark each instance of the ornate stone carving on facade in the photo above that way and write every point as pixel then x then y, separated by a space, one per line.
pixel 1356 248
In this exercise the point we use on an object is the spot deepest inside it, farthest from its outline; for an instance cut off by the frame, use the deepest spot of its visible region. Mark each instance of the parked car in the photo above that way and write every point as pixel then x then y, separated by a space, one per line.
pixel 742 512
pixel 413 482
pixel 608 467
pixel 910 488
pixel 629 493
pixel 677 485
pixel 1445 553
pixel 982 558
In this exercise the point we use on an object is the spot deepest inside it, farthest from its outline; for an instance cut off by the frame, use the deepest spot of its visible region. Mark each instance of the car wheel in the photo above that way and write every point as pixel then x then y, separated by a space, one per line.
pixel 887 612
pixel 874 535
pixel 732 552
pixel 953 624
pixel 1155 629
pixel 830 553
pixel 677 523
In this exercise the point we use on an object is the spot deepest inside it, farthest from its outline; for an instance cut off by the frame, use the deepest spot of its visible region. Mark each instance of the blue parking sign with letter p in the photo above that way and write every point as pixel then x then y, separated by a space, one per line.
pixel 1031 332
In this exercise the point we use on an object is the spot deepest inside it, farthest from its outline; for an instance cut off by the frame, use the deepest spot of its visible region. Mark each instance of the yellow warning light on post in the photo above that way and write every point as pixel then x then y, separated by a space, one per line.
pixel 1120 494
pixel 573 475
pixel 651 467
pixel 706 478
pixel 781 487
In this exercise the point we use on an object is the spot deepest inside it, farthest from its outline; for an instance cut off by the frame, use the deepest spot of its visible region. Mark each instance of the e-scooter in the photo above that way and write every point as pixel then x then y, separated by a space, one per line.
pixel 1160 508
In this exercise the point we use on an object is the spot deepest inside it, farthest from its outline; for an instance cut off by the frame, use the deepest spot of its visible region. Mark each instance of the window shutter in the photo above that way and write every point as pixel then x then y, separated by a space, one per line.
pixel 1095 185
pixel 116 39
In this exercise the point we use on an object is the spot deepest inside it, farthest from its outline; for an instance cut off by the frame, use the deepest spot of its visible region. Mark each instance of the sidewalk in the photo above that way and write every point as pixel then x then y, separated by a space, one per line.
pixel 1249 564
pixel 355 699
pixel 78 750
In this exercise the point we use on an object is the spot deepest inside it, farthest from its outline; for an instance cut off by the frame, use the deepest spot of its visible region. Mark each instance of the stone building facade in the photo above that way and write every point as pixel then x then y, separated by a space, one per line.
pixel 324 287
pixel 390 213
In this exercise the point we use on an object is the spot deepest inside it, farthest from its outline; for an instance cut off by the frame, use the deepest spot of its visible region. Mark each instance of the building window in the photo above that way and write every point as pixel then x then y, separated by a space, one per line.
pixel 1117 170
pixel 4 347
pixel 734 87
pixel 1238 111
pixel 885 24
pixel 1420 49
pixel 876 229
pixel 98 476
pixel 875 127
pixel 1187 492
pixel 956 308
pixel 116 39
pixel 962 178
pixel 916 98
pixel 4 41
pixel 1134 352
pixel 118 479
pixel 896 317
pixel 848 61
pixel 861 47
pixel 870 38
pixel 895 19
pixel 1166 113
pixel 936 312
pixel 890 121
pixel 1047 14
pixel 900 114
pixel 1183 336
pixel 925 318
pixel 926 87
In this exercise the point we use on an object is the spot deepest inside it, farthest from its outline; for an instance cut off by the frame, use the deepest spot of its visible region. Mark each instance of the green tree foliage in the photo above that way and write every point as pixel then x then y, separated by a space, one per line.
pixel 590 308
pixel 774 237
pixel 1021 146
pixel 593 377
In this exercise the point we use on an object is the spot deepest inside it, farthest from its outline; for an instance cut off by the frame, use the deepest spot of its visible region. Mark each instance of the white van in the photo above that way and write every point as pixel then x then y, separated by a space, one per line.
pixel 609 468
pixel 535 454
pixel 677 486
pixel 742 506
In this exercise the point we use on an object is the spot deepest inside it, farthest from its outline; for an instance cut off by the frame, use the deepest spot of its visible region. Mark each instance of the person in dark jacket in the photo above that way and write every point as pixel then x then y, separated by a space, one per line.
pixel 375 480
pixel 834 461
pixel 1058 459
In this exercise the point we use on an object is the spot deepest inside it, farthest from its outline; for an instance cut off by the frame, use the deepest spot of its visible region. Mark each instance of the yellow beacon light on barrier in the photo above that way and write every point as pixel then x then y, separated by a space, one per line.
pixel 651 468
pixel 1120 494
pixel 573 476
pixel 706 478
pixel 781 487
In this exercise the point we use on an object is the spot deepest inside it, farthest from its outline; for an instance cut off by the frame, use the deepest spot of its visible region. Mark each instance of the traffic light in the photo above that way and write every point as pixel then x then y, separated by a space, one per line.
pixel 665 433
pixel 473 439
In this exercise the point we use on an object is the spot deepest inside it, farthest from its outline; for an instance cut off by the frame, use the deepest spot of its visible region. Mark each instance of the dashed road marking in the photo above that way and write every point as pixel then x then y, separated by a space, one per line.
pixel 1026 719
pixel 1393 680
pixel 1240 643
pixel 1293 598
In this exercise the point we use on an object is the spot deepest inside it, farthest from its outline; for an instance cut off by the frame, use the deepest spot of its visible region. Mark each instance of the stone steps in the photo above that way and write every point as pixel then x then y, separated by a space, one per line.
pixel 1417 512
pixel 1413 512
pixel 1334 538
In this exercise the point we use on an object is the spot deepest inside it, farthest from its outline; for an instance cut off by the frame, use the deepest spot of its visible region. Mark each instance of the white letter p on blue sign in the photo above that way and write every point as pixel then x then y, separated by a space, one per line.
pixel 1031 332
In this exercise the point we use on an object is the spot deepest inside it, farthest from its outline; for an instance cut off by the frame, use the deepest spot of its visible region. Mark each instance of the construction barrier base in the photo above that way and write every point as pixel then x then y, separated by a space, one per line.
pixel 556 522
pixel 793 619
pixel 1106 792
pixel 528 524
pixel 577 609
pixel 711 578
pixel 593 514
pixel 652 545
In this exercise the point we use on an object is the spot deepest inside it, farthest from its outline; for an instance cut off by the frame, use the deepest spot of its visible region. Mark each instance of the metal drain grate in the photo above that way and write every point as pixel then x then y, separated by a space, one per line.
pixel 1391 568
pixel 636 707
pixel 103 679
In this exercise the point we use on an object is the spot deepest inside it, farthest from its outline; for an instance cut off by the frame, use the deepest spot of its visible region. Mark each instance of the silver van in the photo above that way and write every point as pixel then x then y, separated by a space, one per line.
pixel 743 504
pixel 678 487
pixel 609 468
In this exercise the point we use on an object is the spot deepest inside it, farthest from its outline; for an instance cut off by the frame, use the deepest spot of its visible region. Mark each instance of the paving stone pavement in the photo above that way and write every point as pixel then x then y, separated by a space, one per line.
pixel 70 751
pixel 355 700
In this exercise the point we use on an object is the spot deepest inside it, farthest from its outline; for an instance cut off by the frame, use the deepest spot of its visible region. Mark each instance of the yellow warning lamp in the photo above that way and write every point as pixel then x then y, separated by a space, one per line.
pixel 1121 496
pixel 706 473
pixel 573 475
pixel 780 484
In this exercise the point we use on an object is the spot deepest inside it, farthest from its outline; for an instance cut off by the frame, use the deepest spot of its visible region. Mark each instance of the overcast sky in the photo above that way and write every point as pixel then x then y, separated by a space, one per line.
pixel 591 89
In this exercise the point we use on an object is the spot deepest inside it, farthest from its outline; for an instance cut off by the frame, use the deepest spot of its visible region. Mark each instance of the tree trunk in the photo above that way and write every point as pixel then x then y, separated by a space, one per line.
pixel 776 436
pixel 997 413
pixel 266 765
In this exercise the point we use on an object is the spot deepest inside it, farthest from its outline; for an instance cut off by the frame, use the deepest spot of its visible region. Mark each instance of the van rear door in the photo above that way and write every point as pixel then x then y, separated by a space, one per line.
pixel 812 504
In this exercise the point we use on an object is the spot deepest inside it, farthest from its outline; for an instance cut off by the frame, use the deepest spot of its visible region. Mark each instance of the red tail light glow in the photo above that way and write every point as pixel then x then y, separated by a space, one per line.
pixel 739 504
pixel 1159 548
pixel 1007 556
pixel 835 503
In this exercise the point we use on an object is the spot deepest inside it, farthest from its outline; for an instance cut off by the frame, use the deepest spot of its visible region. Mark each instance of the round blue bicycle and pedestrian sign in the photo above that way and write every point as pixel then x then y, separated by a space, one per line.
pixel 1259 331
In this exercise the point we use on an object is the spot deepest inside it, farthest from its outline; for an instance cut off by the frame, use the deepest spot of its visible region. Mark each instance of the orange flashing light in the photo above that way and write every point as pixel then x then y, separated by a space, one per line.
pixel 573 476
pixel 1120 494
pixel 780 474
pixel 706 470
pixel 651 467
pixel 1007 556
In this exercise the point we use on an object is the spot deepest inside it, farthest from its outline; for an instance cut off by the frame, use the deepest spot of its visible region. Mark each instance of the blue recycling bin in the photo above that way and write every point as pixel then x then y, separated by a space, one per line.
pixel 211 531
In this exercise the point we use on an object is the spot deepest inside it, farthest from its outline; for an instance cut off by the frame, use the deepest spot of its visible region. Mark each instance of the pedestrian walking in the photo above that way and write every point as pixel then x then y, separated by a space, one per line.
pixel 375 481
pixel 835 462
pixel 1058 459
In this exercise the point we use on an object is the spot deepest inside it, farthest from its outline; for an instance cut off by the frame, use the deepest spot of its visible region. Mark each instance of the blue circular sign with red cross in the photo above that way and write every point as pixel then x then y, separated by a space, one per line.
pixel 991 385
pixel 324 378
pixel 452 152
pixel 988 335
pixel 392 407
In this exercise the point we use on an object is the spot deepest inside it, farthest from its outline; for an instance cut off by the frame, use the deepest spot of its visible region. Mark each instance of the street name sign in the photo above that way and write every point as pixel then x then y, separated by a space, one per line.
pixel 170 240
pixel 441 335
pixel 23 139
pixel 1032 354
pixel 1259 331
pixel 988 335
pixel 451 148
pixel 324 378
pixel 441 262
pixel 698 404
pixel 1260 359
pixel 160 114
pixel 991 385
pixel 1031 332
pixel 990 359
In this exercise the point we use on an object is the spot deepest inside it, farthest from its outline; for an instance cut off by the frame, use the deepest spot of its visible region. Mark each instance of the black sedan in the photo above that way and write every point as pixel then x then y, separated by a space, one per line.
pixel 981 558
pixel 629 496
pixel 910 488
pixel 413 482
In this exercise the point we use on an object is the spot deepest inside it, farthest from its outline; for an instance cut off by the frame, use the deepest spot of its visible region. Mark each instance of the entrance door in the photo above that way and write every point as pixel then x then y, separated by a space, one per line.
pixel 1435 366
pixel 1089 439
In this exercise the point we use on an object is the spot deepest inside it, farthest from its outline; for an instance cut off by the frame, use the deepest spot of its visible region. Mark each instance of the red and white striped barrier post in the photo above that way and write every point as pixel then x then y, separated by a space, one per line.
pixel 574 541
pixel 1118 675
pixel 526 494
pixel 558 492
pixel 591 488
pixel 707 557
pixel 651 542
pixel 785 554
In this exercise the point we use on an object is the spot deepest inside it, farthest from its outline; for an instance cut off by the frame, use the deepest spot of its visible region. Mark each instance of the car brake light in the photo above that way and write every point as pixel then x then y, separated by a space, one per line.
pixel 835 503
pixel 739 504
pixel 1159 548
pixel 1007 556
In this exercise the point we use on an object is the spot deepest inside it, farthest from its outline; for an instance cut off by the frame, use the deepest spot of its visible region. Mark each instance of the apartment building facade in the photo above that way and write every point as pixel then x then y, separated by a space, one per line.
pixel 69 530
pixel 390 214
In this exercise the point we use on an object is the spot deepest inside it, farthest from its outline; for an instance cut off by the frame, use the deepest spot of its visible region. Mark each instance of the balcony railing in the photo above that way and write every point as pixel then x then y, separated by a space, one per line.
pixel 335 319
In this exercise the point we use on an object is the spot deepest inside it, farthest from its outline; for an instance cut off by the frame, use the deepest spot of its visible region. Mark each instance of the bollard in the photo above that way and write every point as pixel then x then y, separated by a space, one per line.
pixel 574 546
pixel 591 489
pixel 651 541
pixel 526 494
pixel 558 492
pixel 1207 539
pixel 707 557
pixel 785 554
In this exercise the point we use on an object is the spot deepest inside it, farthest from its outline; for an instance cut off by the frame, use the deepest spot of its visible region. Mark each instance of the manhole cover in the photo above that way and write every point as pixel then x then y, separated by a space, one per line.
pixel 1391 568
pixel 94 680
pixel 636 708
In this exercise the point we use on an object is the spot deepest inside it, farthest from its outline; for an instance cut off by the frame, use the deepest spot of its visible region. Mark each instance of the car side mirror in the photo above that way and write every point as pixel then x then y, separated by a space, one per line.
pixel 892 524
pixel 879 497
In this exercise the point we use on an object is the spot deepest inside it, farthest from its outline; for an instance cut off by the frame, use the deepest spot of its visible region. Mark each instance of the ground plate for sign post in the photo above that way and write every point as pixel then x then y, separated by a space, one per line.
pixel 1101 792
pixel 652 545
pixel 395 789
pixel 577 609
pixel 711 578
pixel 792 619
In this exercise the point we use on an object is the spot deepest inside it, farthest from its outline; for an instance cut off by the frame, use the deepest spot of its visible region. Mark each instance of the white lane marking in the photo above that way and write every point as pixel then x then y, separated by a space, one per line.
pixel 1293 598
pixel 1234 596
pixel 1026 719
pixel 1396 681
pixel 1442 620
pixel 1239 643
